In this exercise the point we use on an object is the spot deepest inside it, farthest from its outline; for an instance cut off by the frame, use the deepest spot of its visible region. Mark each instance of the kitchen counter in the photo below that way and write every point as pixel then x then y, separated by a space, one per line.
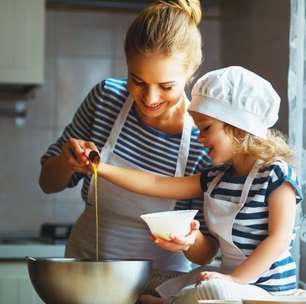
pixel 21 251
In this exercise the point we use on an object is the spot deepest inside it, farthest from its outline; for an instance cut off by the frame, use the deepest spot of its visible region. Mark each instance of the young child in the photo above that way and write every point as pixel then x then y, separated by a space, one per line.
pixel 250 192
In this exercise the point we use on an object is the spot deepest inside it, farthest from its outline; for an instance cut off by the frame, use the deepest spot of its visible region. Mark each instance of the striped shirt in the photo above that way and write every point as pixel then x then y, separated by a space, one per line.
pixel 138 143
pixel 251 223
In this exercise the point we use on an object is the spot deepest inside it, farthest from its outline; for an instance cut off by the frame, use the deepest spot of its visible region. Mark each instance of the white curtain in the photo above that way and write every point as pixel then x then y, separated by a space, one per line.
pixel 297 104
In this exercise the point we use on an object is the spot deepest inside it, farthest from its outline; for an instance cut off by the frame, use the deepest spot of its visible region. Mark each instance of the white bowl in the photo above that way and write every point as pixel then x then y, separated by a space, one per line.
pixel 278 300
pixel 164 224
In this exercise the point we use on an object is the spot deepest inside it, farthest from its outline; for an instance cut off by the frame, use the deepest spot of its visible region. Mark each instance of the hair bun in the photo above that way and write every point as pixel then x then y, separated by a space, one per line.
pixel 191 7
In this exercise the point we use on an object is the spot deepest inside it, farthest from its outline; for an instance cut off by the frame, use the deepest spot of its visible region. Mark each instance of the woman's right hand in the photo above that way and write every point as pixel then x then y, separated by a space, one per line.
pixel 179 243
pixel 74 155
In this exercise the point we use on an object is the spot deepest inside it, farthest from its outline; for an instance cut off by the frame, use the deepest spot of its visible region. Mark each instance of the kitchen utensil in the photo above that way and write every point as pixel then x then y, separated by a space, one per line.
pixel 94 157
pixel 55 232
pixel 81 281
pixel 163 224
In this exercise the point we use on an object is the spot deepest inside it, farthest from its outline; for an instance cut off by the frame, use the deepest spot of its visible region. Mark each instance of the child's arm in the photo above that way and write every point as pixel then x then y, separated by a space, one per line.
pixel 186 187
pixel 282 207
pixel 203 250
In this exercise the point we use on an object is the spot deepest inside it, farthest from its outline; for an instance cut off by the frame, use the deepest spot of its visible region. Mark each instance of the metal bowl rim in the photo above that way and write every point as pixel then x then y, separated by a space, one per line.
pixel 76 260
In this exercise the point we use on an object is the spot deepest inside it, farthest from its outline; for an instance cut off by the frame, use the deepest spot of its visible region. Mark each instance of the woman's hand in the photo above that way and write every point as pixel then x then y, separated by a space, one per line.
pixel 208 275
pixel 75 153
pixel 179 243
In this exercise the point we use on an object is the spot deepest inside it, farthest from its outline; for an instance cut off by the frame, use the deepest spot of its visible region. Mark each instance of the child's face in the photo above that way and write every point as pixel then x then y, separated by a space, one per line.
pixel 213 136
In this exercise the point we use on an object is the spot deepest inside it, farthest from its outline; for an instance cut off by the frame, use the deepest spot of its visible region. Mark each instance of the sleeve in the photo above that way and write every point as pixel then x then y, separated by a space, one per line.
pixel 282 172
pixel 198 153
pixel 80 127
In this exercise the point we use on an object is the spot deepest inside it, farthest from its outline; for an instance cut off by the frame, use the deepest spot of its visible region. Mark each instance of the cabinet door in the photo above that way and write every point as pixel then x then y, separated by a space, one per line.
pixel 21 41
pixel 15 284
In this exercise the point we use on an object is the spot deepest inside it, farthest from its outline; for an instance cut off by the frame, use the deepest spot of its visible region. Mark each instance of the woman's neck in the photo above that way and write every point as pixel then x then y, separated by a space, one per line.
pixel 243 164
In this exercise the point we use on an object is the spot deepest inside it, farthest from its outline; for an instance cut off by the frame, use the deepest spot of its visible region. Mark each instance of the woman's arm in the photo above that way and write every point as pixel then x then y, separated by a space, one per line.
pixel 54 175
pixel 186 187
pixel 282 208
pixel 56 171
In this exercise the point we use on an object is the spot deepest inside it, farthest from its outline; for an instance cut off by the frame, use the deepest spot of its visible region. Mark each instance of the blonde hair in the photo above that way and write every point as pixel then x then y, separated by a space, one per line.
pixel 168 27
pixel 273 148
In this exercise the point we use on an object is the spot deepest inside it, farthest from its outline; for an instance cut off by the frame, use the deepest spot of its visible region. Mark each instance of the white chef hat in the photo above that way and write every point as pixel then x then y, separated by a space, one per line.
pixel 238 97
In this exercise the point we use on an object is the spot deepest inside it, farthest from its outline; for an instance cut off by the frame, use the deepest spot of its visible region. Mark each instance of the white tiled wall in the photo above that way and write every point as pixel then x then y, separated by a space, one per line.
pixel 82 48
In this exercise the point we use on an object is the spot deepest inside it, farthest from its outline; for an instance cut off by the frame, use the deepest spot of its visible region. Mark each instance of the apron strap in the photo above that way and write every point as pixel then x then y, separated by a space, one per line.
pixel 214 182
pixel 116 129
pixel 248 182
pixel 185 143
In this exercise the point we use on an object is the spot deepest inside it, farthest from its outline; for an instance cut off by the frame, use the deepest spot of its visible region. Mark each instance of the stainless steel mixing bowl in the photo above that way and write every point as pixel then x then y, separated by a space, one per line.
pixel 80 281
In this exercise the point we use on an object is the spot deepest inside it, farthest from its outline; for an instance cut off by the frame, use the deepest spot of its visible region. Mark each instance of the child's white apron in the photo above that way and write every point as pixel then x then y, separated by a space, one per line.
pixel 219 217
pixel 122 234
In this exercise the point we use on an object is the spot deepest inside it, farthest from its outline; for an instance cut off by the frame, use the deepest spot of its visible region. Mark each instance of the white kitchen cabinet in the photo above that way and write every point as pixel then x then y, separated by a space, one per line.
pixel 15 284
pixel 22 24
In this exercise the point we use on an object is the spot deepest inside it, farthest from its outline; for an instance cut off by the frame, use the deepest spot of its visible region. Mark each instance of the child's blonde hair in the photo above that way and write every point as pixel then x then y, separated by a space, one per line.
pixel 273 148
pixel 168 27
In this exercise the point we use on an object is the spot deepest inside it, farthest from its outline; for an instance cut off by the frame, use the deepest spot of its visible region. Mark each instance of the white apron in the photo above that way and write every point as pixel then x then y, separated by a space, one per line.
pixel 219 217
pixel 121 231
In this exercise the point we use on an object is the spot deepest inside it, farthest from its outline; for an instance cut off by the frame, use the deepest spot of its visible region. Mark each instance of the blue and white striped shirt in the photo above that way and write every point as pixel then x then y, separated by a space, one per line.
pixel 146 147
pixel 251 223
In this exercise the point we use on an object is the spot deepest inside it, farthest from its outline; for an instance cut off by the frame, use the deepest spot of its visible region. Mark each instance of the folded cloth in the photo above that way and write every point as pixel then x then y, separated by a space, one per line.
pixel 296 295
pixel 299 293
pixel 157 278
pixel 170 288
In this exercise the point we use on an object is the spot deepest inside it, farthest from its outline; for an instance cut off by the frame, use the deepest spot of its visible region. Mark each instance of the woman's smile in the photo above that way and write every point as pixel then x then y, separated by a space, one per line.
pixel 153 107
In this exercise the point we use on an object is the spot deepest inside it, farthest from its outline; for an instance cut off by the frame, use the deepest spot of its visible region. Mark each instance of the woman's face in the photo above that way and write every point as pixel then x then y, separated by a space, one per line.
pixel 213 136
pixel 156 81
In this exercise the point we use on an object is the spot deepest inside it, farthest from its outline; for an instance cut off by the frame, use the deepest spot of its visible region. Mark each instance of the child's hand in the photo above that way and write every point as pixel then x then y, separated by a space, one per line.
pixel 207 275
pixel 179 243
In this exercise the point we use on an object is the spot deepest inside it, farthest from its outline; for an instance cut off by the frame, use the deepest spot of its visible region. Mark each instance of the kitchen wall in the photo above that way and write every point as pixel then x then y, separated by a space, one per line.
pixel 83 48
pixel 256 37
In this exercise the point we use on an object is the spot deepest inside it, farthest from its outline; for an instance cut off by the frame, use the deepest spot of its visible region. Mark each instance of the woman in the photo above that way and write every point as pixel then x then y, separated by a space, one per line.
pixel 139 123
